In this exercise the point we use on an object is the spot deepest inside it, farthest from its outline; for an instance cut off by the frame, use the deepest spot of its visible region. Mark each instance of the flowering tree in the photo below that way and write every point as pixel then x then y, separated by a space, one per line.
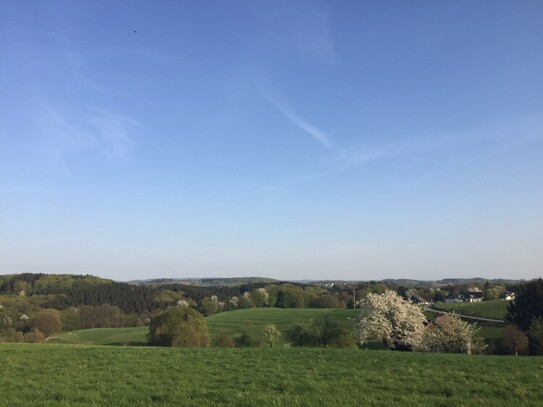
pixel 389 318
pixel 449 334
pixel 271 334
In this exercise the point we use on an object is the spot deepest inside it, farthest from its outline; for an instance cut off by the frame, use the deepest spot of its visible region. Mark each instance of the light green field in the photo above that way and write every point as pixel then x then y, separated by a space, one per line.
pixel 103 336
pixel 485 309
pixel 67 375
pixel 251 320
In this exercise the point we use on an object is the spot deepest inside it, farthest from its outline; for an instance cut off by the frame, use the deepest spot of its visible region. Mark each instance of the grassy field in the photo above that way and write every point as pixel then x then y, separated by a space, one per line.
pixel 67 375
pixel 103 336
pixel 251 320
pixel 485 309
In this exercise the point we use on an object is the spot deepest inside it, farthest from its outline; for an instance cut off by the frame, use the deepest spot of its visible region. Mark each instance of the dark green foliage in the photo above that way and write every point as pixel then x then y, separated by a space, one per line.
pixel 323 332
pixel 179 327
pixel 44 284
pixel 243 340
pixel 527 310
pixel 286 296
pixel 209 306
pixel 325 301
pixel 535 336
pixel 129 298
pixel 527 305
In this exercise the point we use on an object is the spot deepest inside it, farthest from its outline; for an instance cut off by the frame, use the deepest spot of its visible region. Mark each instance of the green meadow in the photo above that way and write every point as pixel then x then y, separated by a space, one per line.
pixel 91 375
pixel 251 320
pixel 485 309
pixel 103 336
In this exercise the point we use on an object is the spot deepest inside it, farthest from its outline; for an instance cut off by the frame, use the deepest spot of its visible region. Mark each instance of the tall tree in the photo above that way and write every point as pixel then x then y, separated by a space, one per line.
pixel 528 304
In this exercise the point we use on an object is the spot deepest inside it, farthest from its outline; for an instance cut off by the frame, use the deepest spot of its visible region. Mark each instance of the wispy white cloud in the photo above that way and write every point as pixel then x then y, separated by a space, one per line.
pixel 67 129
pixel 298 121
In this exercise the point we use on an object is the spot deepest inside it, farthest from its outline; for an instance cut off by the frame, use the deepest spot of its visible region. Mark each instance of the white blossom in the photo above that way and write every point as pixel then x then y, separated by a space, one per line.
pixel 391 319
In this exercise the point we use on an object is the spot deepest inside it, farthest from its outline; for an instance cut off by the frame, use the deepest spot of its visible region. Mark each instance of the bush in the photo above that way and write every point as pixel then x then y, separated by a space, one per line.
pixel 180 327
pixel 225 340
pixel 323 331
pixel 48 321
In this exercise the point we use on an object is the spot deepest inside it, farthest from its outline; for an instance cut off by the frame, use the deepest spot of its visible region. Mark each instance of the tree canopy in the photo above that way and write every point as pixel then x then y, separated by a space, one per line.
pixel 389 318
pixel 179 327
pixel 527 305
pixel 449 334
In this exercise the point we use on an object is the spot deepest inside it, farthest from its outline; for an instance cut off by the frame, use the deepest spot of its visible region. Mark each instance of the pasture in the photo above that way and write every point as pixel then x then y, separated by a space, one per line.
pixel 251 320
pixel 485 309
pixel 103 336
pixel 67 375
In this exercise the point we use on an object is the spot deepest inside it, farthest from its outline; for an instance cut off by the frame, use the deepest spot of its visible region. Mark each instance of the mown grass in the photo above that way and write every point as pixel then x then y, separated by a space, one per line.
pixel 485 309
pixel 103 336
pixel 66 375
pixel 251 320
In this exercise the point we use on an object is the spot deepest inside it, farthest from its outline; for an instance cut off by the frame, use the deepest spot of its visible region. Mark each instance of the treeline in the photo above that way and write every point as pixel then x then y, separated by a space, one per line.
pixel 129 298
pixel 45 284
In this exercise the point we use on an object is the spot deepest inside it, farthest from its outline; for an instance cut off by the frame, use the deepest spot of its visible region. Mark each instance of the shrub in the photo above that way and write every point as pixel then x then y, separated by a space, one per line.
pixel 180 327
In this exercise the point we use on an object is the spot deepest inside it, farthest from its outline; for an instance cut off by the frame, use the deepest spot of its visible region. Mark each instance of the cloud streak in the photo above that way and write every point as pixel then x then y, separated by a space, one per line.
pixel 298 121
pixel 87 128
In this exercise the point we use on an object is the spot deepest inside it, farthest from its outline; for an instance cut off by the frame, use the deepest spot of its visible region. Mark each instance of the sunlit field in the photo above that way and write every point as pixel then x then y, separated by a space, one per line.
pixel 67 375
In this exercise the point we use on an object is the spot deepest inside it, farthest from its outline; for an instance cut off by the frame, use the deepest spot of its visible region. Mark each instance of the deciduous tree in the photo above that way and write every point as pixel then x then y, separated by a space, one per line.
pixel 183 327
pixel 271 334
pixel 515 339
pixel 450 334
pixel 48 321
pixel 392 320
pixel 323 331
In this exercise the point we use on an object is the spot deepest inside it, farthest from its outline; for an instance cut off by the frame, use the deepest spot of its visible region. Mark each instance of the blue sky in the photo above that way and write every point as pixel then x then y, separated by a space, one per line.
pixel 287 139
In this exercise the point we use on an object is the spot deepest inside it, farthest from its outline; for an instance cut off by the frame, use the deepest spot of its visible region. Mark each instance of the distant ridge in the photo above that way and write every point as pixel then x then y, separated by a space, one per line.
pixel 212 281
pixel 234 281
